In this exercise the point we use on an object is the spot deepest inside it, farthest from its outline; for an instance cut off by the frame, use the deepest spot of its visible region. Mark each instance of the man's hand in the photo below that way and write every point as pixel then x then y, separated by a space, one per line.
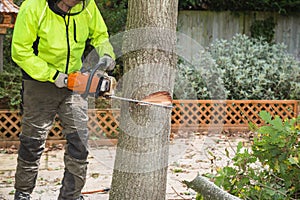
pixel 100 73
pixel 61 80
pixel 107 63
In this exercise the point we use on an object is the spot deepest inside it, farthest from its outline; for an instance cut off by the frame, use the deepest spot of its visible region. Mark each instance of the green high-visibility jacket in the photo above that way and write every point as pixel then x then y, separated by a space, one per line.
pixel 60 40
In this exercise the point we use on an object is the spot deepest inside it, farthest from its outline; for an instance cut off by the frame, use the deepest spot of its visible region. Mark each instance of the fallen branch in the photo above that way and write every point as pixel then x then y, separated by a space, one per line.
pixel 177 193
pixel 208 190
pixel 97 191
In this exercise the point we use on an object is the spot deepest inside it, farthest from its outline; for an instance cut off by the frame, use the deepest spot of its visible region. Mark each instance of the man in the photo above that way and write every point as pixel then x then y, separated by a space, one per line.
pixel 48 42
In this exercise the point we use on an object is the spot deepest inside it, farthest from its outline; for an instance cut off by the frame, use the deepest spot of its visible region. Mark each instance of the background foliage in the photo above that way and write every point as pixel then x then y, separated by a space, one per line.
pixel 263 29
pixel 10 78
pixel 254 69
pixel 114 13
pixel 243 68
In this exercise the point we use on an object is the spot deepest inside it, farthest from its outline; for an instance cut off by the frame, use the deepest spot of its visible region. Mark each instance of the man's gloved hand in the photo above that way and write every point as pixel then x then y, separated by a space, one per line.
pixel 109 63
pixel 61 80
pixel 100 73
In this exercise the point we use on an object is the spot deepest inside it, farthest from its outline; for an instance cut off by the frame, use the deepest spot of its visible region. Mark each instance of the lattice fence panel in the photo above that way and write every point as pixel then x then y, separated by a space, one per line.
pixel 186 114
pixel 104 123
pixel 56 131
pixel 101 124
pixel 234 114
pixel 9 125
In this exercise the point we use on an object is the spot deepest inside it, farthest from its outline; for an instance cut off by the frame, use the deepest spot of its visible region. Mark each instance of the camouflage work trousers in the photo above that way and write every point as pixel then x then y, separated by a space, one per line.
pixel 42 101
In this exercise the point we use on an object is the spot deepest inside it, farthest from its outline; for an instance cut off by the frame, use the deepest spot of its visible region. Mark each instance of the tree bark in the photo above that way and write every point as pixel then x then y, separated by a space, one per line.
pixel 149 46
pixel 208 190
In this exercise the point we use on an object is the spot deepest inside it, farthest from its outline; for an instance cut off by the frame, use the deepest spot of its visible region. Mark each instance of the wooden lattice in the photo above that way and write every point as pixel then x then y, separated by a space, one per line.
pixel 104 123
pixel 186 115
pixel 228 114
pixel 9 125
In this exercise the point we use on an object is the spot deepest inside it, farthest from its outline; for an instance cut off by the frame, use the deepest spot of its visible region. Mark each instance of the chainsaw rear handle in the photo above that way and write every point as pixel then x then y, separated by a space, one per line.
pixel 89 82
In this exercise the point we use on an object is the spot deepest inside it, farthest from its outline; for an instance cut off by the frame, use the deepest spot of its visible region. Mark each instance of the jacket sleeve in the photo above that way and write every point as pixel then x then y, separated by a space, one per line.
pixel 24 34
pixel 98 32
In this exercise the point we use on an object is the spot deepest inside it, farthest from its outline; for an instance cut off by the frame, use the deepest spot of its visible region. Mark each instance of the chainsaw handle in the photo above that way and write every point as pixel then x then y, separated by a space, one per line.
pixel 90 79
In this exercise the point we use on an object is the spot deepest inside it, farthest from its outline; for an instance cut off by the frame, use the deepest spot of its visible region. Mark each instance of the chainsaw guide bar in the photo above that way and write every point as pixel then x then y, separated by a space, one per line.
pixel 103 85
pixel 148 101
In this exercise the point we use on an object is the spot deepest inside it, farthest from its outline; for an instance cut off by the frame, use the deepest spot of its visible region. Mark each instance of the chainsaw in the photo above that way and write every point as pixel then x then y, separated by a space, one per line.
pixel 100 84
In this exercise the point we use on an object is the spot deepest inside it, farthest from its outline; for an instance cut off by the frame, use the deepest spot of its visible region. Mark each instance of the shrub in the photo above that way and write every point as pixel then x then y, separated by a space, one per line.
pixel 254 69
pixel 10 78
pixel 244 68
pixel 270 169
pixel 198 80
pixel 10 87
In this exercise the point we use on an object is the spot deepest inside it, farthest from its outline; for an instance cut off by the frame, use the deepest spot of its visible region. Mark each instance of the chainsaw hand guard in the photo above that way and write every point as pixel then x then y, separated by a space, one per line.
pixel 105 86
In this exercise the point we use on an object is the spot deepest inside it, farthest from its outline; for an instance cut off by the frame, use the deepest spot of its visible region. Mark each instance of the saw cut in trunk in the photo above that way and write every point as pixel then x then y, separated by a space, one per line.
pixel 160 97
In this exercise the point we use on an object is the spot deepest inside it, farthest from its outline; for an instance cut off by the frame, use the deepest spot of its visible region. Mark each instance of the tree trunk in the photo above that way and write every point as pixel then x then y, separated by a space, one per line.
pixel 209 190
pixel 149 46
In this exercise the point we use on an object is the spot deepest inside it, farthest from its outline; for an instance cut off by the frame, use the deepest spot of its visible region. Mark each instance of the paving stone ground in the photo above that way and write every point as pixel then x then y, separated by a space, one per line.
pixel 197 153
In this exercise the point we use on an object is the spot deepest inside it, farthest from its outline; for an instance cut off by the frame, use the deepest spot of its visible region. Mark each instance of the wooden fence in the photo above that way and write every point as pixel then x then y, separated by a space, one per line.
pixel 207 26
pixel 187 115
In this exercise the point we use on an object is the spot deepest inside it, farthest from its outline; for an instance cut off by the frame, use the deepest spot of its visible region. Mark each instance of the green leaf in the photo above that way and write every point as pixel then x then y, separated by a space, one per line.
pixel 293 160
pixel 239 147
pixel 265 129
pixel 265 116
pixel 277 123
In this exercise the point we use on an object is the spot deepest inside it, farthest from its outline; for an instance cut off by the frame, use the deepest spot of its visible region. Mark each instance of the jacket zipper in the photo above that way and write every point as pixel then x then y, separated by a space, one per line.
pixel 75 37
pixel 68 43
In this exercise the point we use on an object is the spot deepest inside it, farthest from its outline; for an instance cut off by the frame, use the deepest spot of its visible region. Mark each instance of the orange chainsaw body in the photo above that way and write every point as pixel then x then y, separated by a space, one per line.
pixel 77 82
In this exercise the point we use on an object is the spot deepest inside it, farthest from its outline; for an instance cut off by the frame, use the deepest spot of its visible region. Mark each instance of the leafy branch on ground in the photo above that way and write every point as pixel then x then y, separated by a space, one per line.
pixel 270 169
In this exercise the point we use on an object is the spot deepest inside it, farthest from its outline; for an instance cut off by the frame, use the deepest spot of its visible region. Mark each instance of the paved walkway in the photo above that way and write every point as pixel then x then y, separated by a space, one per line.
pixel 188 157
